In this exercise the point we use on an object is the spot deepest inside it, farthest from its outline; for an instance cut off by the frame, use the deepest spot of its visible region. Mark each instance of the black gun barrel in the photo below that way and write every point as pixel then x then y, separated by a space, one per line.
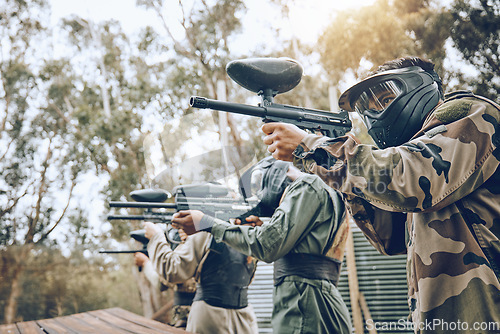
pixel 245 109
pixel 141 217
pixel 152 205
pixel 194 201
pixel 124 251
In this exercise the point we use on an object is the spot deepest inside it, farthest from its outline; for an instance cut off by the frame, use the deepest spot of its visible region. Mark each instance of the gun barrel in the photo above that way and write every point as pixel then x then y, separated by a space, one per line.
pixel 124 251
pixel 152 217
pixel 144 205
pixel 245 109
pixel 125 217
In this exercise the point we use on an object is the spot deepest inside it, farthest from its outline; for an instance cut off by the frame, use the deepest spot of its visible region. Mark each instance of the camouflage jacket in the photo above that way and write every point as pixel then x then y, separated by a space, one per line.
pixel 437 198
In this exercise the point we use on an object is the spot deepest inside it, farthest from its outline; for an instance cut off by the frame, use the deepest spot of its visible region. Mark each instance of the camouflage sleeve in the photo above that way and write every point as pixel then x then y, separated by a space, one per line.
pixel 385 230
pixel 452 156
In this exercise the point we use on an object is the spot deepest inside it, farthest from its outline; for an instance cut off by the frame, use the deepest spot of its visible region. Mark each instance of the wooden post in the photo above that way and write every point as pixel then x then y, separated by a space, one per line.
pixel 357 316
pixel 366 312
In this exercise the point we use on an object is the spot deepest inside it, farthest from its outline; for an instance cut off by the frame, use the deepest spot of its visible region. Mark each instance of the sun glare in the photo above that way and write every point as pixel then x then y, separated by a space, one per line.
pixel 309 17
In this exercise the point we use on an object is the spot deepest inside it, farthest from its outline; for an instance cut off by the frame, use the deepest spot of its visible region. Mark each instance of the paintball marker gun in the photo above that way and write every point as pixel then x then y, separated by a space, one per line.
pixel 138 236
pixel 210 198
pixel 268 77
pixel 147 199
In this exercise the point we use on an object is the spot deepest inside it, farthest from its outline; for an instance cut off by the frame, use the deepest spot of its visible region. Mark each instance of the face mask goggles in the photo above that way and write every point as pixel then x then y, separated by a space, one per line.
pixel 393 104
pixel 264 179
pixel 376 93
pixel 377 98
pixel 265 182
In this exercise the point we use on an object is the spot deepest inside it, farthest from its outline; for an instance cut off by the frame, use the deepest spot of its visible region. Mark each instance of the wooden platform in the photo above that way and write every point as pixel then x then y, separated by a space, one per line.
pixel 112 320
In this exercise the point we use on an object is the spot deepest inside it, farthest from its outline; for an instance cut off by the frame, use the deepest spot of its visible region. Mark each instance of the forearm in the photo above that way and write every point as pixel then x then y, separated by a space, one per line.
pixel 179 265
pixel 427 173
pixel 249 240
pixel 297 214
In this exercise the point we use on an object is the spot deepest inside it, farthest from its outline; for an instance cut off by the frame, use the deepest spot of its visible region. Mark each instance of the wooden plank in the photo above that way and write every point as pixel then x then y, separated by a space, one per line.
pixel 108 321
pixel 366 312
pixel 29 327
pixel 9 329
pixel 97 323
pixel 52 326
pixel 146 322
pixel 122 323
pixel 79 325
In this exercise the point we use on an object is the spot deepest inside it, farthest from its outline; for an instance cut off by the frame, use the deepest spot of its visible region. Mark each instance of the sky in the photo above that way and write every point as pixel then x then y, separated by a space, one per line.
pixel 307 18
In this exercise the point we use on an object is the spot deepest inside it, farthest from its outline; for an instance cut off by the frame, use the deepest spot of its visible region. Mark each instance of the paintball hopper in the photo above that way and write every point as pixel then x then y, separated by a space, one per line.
pixel 261 74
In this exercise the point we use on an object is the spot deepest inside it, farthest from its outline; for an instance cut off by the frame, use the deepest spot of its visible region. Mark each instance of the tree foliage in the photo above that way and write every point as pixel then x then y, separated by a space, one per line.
pixel 83 113
pixel 357 40
pixel 61 121
pixel 476 34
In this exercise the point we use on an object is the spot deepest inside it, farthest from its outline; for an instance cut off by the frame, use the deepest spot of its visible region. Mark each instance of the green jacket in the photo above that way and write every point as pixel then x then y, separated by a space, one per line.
pixel 437 198
pixel 310 219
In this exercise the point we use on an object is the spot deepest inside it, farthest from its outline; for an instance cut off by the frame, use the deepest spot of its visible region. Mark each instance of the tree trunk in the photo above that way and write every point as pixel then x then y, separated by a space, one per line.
pixel 15 271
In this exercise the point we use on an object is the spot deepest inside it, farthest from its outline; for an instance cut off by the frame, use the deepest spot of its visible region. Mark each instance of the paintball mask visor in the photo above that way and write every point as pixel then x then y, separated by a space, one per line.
pixel 256 182
pixel 374 95
pixel 378 97
pixel 265 182
pixel 266 177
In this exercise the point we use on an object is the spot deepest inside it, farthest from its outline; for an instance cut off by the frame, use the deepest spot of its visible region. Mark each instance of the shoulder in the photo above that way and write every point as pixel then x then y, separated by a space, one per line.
pixel 461 104
pixel 307 181
pixel 314 184
pixel 198 240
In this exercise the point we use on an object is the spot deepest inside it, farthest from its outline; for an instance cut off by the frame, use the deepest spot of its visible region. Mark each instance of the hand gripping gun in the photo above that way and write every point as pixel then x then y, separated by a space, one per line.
pixel 136 235
pixel 210 198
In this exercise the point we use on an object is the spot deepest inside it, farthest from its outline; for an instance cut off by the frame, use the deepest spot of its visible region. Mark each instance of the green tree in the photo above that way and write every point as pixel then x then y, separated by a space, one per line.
pixel 475 32
pixel 40 166
pixel 116 89
pixel 357 40
pixel 203 52
pixel 63 119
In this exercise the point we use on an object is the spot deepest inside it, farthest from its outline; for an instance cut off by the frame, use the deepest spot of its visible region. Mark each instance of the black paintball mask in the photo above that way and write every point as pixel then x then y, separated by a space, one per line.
pixel 393 104
pixel 264 182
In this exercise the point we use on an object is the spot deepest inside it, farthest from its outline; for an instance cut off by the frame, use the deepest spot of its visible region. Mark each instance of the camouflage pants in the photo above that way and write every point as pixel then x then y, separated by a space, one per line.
pixel 179 315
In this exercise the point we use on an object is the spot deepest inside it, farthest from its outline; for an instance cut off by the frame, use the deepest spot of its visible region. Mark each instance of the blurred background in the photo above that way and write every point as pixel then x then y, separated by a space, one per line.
pixel 84 83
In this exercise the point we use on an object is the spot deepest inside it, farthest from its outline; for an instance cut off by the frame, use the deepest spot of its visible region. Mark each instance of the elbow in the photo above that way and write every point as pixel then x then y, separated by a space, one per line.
pixel 269 257
pixel 268 260
pixel 174 277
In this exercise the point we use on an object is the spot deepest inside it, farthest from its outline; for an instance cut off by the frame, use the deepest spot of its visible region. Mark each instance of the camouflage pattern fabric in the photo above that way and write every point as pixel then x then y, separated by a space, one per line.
pixel 437 198
pixel 180 315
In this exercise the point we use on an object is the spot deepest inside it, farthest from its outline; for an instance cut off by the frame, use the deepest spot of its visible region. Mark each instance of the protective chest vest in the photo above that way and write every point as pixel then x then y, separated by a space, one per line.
pixel 224 277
